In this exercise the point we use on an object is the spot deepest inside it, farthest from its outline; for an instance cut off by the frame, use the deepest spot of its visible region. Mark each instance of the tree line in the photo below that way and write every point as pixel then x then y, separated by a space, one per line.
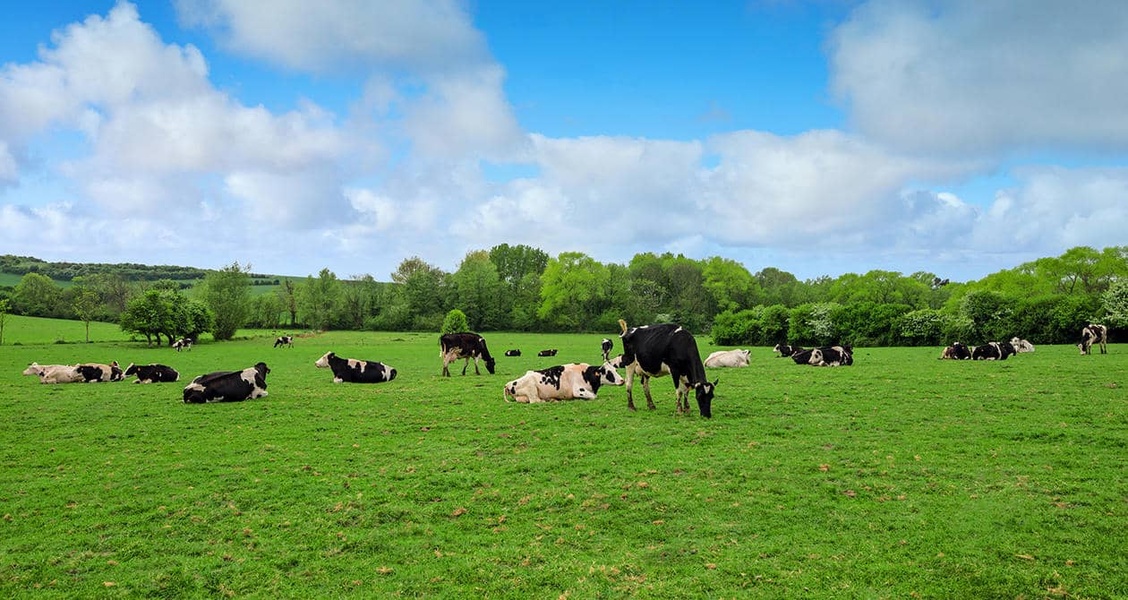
pixel 521 288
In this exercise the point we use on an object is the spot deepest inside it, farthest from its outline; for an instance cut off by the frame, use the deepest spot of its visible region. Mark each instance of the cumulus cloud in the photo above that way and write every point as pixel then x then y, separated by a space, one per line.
pixel 985 77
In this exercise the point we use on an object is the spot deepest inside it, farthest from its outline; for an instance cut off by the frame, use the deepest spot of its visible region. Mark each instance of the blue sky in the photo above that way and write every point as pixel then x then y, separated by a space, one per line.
pixel 957 137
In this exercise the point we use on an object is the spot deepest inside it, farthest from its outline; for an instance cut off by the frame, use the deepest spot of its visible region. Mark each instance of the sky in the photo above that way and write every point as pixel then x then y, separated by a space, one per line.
pixel 957 137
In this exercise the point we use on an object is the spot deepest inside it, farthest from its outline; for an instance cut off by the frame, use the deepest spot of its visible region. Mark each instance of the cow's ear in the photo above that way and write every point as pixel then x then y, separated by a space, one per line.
pixel 716 381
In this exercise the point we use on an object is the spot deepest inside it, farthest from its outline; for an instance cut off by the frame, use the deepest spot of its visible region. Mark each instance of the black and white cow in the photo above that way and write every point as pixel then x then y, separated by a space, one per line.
pixel 957 351
pixel 152 373
pixel 606 345
pixel 228 386
pixel 652 350
pixel 513 352
pixel 992 351
pixel 563 382
pixel 468 346
pixel 94 372
pixel 831 356
pixel 352 370
pixel 802 356
pixel 184 343
pixel 285 341
pixel 1093 333
pixel 786 350
pixel 549 352
pixel 1021 345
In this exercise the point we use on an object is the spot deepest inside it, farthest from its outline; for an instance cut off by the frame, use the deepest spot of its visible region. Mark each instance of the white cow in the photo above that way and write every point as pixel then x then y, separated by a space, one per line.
pixel 563 382
pixel 54 373
pixel 729 358
pixel 1021 345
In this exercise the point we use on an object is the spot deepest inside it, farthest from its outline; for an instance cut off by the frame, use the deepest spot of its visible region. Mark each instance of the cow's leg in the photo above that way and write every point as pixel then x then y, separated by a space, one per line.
pixel 446 366
pixel 630 386
pixel 476 371
pixel 465 365
pixel 646 388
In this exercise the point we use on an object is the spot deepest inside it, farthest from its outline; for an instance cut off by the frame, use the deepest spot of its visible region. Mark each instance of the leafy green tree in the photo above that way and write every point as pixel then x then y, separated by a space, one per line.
pixel 37 296
pixel 780 287
pixel 288 297
pixel 85 303
pixel 359 296
pixel 730 284
pixel 423 289
pixel 526 303
pixel 318 299
pixel 573 291
pixel 989 313
pixel 227 293
pixel 923 327
pixel 1114 303
pixel 455 322
pixel 514 262
pixel 814 323
pixel 150 314
pixel 477 290
pixel 266 311
pixel 5 308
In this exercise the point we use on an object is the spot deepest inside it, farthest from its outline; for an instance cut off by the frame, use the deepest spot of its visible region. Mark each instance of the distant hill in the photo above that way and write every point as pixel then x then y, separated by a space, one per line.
pixel 12 268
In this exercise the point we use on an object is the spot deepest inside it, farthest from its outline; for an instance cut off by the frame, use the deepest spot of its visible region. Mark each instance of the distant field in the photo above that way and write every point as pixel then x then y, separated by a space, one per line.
pixel 902 476
pixel 34 330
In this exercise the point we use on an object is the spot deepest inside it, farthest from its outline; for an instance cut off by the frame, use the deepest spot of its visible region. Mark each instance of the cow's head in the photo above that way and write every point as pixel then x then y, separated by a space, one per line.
pixel 490 362
pixel 323 362
pixel 33 369
pixel 130 370
pixel 816 357
pixel 704 392
pixel 609 376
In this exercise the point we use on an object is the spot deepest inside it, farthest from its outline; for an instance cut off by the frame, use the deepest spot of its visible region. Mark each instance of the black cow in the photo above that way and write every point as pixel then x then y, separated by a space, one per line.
pixel 992 351
pixel 285 340
pixel 832 356
pixel 1093 334
pixel 93 372
pixel 152 373
pixel 786 350
pixel 957 351
pixel 651 350
pixel 184 343
pixel 466 345
pixel 514 352
pixel 549 352
pixel 228 386
pixel 606 345
pixel 802 356
pixel 352 370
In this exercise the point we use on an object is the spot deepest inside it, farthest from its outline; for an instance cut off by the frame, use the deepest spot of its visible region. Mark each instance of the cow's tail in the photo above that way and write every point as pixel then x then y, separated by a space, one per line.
pixel 623 326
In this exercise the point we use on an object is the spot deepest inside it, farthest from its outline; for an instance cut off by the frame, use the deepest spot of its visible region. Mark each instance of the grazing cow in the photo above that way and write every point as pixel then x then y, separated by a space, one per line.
pixel 606 345
pixel 184 343
pixel 1021 345
pixel 729 358
pixel 992 351
pixel 352 370
pixel 831 356
pixel 1093 334
pixel 786 350
pixel 514 352
pixel 652 350
pixel 454 346
pixel 285 340
pixel 95 372
pixel 957 351
pixel 54 373
pixel 549 352
pixel 152 373
pixel 228 386
pixel 564 382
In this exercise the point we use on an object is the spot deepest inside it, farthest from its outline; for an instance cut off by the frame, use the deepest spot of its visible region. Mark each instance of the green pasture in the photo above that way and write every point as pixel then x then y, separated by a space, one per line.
pixel 901 476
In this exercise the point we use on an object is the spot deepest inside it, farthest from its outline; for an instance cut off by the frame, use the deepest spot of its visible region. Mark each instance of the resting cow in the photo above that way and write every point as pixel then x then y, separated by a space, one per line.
pixel 652 350
pixel 786 350
pixel 228 386
pixel 729 358
pixel 992 351
pixel 54 373
pixel 513 352
pixel 957 351
pixel 1093 334
pixel 95 372
pixel 1021 345
pixel 564 382
pixel 454 346
pixel 549 352
pixel 352 370
pixel 802 356
pixel 152 373
pixel 832 356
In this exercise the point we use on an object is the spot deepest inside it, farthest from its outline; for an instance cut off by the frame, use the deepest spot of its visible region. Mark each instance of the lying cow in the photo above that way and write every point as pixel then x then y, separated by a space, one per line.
pixel 786 350
pixel 564 382
pixel 514 352
pixel 228 386
pixel 152 373
pixel 1021 345
pixel 957 351
pixel 992 351
pixel 729 358
pixel 352 370
pixel 549 352
pixel 95 372
pixel 801 356
pixel 1093 334
pixel 285 341
pixel 54 373
pixel 184 343
pixel 831 356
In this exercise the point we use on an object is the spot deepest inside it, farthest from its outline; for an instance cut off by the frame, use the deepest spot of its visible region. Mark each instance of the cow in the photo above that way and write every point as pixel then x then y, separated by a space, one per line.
pixel 957 351
pixel 831 356
pixel 549 352
pixel 184 343
pixel 285 341
pixel 228 386
pixel 466 345
pixel 95 372
pixel 786 350
pixel 651 350
pixel 54 373
pixel 152 373
pixel 802 356
pixel 606 345
pixel 729 358
pixel 352 370
pixel 1093 334
pixel 1021 345
pixel 992 351
pixel 514 352
pixel 563 382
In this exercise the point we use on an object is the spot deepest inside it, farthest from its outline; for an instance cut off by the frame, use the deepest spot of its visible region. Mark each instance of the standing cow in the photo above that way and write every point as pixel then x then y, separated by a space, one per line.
pixel 651 350
pixel 352 370
pixel 564 382
pixel 228 386
pixel 286 341
pixel 606 345
pixel 1093 333
pixel 184 343
pixel 466 345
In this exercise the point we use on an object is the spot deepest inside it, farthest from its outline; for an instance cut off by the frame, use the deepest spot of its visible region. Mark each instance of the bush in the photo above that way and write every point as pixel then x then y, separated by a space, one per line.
pixel 455 322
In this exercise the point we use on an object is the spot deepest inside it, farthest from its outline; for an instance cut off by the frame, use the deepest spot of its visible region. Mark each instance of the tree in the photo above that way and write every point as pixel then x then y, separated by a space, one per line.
pixel 318 299
pixel 5 308
pixel 85 306
pixel 1115 304
pixel 572 291
pixel 455 322
pixel 989 313
pixel 477 291
pixel 37 296
pixel 150 314
pixel 514 262
pixel 422 291
pixel 227 293
pixel 730 284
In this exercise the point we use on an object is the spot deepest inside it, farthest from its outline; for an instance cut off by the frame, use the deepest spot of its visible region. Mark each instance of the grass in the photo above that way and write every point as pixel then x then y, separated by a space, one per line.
pixel 900 476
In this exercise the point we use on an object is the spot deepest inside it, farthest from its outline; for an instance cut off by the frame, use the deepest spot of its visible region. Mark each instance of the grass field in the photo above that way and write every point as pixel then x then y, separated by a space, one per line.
pixel 902 476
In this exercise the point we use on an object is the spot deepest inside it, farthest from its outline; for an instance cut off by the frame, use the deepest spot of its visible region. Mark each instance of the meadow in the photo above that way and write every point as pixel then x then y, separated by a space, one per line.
pixel 901 476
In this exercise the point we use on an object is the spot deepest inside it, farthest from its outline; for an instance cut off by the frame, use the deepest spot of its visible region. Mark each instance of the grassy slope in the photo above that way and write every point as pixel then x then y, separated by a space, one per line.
pixel 900 475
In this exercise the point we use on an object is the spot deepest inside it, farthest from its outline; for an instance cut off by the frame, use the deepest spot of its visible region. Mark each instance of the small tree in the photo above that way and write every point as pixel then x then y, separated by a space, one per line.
pixel 227 293
pixel 5 308
pixel 85 307
pixel 455 322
